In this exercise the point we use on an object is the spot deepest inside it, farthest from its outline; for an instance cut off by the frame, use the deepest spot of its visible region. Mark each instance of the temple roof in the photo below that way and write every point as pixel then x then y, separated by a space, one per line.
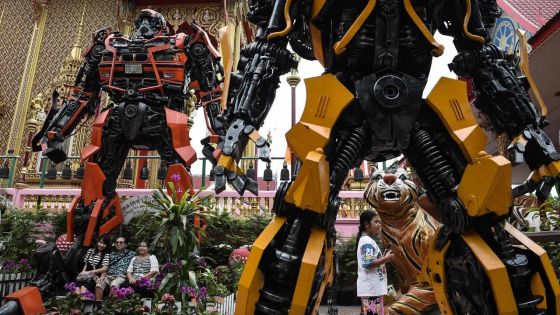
pixel 531 14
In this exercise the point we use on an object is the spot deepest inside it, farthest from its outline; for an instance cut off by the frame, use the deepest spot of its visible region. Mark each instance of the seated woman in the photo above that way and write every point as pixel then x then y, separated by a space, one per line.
pixel 96 261
pixel 142 268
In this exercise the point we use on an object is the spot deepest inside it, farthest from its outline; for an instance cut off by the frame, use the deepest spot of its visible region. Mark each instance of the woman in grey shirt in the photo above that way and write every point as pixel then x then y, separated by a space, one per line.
pixel 142 265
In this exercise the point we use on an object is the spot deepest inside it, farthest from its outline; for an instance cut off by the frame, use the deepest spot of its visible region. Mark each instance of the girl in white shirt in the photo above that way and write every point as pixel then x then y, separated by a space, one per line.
pixel 372 274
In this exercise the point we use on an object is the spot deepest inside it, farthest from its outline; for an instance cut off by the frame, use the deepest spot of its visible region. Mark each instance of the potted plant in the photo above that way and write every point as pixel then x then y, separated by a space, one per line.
pixel 178 238
pixel 73 303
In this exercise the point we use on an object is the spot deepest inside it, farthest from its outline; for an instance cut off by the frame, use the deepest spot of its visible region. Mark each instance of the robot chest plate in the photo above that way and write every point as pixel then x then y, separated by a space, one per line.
pixel 161 63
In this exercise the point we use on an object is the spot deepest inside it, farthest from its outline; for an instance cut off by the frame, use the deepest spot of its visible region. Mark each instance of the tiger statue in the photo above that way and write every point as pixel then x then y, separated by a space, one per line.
pixel 406 229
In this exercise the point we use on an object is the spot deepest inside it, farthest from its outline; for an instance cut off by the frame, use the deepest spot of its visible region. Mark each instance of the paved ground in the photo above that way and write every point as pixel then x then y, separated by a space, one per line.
pixel 342 310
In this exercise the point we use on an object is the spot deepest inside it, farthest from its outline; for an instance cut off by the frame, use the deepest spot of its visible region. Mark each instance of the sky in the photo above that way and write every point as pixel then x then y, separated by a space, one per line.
pixel 278 121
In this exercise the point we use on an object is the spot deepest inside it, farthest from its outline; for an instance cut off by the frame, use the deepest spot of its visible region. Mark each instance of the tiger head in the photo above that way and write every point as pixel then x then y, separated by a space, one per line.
pixel 391 193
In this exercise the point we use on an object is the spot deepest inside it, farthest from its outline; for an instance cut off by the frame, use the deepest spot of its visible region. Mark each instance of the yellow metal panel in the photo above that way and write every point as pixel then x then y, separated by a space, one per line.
pixel 227 61
pixel 486 186
pixel 433 272
pixel 469 35
pixel 537 287
pixel 450 102
pixel 496 272
pixel 311 188
pixel 288 20
pixel 309 264
pixel 327 278
pixel 326 99
pixel 316 36
pixel 524 65
pixel 252 279
pixel 303 138
pixel 554 168
pixel 549 274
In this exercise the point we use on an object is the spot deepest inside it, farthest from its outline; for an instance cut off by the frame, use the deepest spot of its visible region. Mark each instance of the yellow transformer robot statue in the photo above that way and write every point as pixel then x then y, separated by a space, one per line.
pixel 368 106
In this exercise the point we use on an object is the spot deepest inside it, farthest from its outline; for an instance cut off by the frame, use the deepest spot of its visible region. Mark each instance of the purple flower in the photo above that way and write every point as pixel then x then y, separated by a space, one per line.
pixel 70 286
pixel 8 265
pixel 167 267
pixel 143 282
pixel 202 293
pixel 88 295
pixel 191 292
pixel 201 261
pixel 175 177
pixel 179 190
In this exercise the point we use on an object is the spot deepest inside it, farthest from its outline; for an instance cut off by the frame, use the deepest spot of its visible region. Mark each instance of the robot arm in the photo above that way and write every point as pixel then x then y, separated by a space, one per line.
pixel 253 89
pixel 501 88
pixel 206 74
pixel 83 101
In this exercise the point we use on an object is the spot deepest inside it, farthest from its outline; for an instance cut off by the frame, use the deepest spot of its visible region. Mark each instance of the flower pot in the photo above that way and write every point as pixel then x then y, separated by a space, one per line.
pixel 147 302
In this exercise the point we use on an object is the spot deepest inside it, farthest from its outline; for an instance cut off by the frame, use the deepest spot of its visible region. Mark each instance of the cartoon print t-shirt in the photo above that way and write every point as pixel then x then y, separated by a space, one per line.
pixel 371 281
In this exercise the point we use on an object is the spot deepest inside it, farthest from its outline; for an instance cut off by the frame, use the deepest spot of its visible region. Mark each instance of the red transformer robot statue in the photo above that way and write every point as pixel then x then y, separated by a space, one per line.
pixel 368 105
pixel 148 77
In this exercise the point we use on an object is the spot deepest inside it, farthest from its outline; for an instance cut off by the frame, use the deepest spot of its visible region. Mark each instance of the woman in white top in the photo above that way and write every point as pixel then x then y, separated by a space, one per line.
pixel 372 274
pixel 143 265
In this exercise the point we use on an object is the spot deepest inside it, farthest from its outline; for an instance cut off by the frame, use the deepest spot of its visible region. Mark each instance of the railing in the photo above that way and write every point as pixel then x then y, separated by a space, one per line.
pixel 8 167
pixel 67 177
pixel 230 201
pixel 227 307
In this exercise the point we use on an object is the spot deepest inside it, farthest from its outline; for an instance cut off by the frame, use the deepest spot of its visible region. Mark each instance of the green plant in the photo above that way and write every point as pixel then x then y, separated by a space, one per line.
pixel 348 267
pixel 178 238
pixel 226 232
pixel 19 228
pixel 549 214
pixel 122 301
pixel 72 303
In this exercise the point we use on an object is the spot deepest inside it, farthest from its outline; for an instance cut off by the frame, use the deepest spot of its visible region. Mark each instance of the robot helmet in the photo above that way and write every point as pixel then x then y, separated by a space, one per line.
pixel 150 24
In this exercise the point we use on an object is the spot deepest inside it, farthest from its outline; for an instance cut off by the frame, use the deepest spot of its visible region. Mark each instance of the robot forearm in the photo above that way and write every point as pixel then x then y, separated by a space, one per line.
pixel 261 65
pixel 501 95
pixel 61 125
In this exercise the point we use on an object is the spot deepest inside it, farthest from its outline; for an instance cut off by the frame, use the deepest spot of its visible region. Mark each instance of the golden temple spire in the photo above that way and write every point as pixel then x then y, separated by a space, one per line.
pixel 76 53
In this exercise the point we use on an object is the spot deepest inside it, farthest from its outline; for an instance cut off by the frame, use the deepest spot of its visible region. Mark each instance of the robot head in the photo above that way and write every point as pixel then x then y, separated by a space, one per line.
pixel 150 24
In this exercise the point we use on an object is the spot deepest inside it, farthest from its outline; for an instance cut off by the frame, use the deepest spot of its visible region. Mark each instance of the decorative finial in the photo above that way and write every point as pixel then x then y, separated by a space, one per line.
pixel 293 79
pixel 76 53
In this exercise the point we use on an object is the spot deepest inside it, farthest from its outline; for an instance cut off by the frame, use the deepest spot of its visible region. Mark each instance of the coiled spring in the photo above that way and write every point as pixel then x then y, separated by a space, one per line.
pixel 437 170
pixel 347 155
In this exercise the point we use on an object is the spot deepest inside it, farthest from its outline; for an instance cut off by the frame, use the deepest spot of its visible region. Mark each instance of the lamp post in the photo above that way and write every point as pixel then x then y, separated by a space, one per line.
pixel 293 80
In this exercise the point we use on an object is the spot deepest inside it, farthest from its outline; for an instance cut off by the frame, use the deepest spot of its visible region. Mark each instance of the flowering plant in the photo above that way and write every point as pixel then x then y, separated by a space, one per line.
pixel 11 266
pixel 123 301
pixel 74 301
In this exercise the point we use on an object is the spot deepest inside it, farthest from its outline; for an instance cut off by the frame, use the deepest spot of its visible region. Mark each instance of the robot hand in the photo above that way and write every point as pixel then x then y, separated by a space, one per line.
pixel 235 141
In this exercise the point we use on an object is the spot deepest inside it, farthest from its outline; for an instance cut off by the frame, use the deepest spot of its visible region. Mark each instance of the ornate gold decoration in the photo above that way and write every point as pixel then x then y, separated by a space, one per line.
pixel 126 16
pixel 17 15
pixel 176 17
pixel 209 16
pixel 502 143
pixel 26 84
